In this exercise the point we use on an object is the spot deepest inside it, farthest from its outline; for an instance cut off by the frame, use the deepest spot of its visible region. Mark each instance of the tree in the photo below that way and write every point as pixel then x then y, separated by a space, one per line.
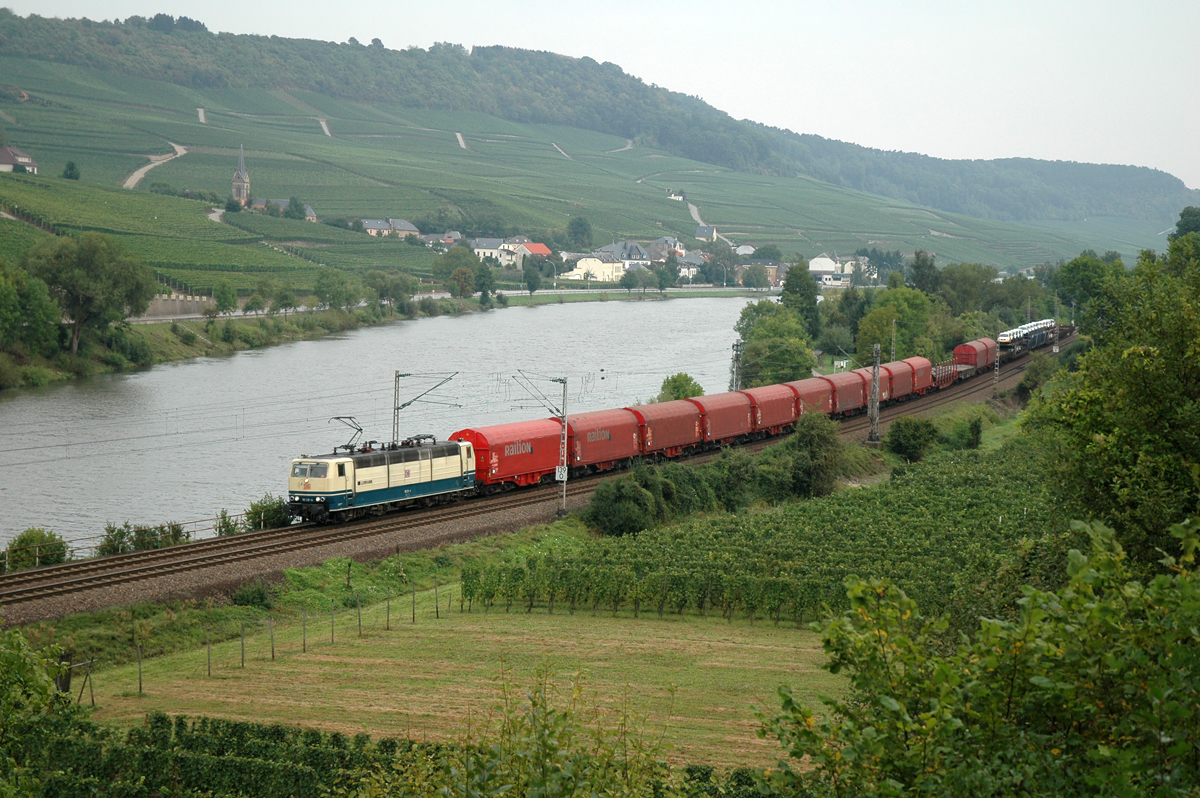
pixel 283 299
pixel 533 278
pixel 1088 281
pixel 462 283
pixel 295 209
pixel 768 252
pixel 776 350
pixel 895 278
pixel 232 206
pixel 756 276
pixel 485 282
pixel 334 289
pixel 1128 419
pixel 255 304
pixel 876 328
pixel 94 279
pixel 579 233
pixel 629 280
pixel 966 286
pixel 1189 222
pixel 1089 690
pixel 800 293
pixel 391 287
pixel 679 386
pixel 923 273
pixel 667 273
pixel 28 314
pixel 70 171
pixel 453 259
pixel 225 296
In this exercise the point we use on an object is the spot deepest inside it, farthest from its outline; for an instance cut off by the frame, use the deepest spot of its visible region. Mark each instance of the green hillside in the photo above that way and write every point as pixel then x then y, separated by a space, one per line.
pixel 387 160
pixel 544 88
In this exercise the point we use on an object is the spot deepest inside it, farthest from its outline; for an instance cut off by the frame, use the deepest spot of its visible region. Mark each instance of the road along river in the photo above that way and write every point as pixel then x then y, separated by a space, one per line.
pixel 181 441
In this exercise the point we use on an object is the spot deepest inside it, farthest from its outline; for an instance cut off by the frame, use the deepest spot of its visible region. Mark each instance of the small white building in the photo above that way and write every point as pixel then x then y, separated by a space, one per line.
pixel 604 269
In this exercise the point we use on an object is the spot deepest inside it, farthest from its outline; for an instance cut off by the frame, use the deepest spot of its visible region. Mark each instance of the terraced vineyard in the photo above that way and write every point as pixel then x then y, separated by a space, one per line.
pixel 791 564
pixel 402 162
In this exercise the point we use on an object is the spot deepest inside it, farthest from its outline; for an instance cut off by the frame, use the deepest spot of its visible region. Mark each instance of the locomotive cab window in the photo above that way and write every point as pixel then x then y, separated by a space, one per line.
pixel 341 469
pixel 319 471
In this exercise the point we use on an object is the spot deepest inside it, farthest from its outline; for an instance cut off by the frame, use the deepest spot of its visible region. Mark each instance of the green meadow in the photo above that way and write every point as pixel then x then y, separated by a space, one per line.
pixel 384 161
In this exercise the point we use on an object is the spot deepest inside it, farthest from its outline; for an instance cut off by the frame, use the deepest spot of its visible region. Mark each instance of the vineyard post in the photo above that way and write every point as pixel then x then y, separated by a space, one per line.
pixel 331 622
pixel 303 631
pixel 449 601
pixel 243 644
pixel 271 627
pixel 437 604
pixel 208 650
pixel 90 683
pixel 358 607
pixel 139 650
pixel 414 617
pixel 873 435
pixel 388 622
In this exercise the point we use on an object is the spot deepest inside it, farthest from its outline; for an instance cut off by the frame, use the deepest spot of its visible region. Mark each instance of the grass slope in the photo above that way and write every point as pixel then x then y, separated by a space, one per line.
pixel 404 162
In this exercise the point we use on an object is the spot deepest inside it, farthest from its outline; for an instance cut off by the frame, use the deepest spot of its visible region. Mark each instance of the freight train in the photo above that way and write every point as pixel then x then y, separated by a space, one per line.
pixel 373 479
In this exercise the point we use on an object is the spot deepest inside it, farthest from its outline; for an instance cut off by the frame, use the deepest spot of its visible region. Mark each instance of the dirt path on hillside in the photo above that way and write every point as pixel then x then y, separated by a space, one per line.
pixel 325 126
pixel 560 149
pixel 461 142
pixel 692 209
pixel 155 160
pixel 628 146
pixel 200 112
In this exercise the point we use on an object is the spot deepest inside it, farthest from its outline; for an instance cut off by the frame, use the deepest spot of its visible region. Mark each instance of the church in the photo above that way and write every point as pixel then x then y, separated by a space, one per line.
pixel 241 179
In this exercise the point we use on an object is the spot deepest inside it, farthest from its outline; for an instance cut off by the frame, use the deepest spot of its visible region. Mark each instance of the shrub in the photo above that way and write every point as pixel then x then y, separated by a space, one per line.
pixel 225 526
pixel 10 373
pixel 37 376
pixel 269 512
pixel 429 306
pixel 255 593
pixel 621 507
pixel 910 437
pixel 36 546
pixel 117 539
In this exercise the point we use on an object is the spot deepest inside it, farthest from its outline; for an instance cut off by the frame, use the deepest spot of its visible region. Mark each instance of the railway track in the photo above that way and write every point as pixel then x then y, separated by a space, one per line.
pixel 57 580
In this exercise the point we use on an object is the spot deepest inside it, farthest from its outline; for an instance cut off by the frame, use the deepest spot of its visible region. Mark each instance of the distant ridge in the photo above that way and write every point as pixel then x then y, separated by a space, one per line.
pixel 545 88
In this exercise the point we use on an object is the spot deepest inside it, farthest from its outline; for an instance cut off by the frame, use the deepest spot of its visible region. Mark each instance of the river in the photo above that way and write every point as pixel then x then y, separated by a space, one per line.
pixel 181 441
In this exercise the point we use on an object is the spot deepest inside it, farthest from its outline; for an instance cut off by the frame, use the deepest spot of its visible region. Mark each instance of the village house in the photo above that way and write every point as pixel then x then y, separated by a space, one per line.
pixel 487 248
pixel 13 160
pixel 403 228
pixel 376 227
pixel 602 266
pixel 630 253
pixel 706 232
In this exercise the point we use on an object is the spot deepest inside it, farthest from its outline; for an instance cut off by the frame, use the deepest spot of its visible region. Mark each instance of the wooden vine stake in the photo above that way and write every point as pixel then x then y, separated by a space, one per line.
pixel 437 605
pixel 243 644
pixel 331 621
pixel 303 631
pixel 388 622
pixel 271 626
pixel 208 648
pixel 358 606
pixel 414 620
pixel 139 649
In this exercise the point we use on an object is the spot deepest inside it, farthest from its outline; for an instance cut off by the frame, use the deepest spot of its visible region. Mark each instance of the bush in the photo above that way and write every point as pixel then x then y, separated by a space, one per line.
pixel 910 437
pixel 621 507
pixel 429 306
pixel 269 512
pixel 117 539
pixel 36 546
pixel 37 376
pixel 255 593
pixel 225 526
pixel 10 372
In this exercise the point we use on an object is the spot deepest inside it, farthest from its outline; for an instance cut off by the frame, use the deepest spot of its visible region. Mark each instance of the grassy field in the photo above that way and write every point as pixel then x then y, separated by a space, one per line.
pixel 699 677
pixel 402 162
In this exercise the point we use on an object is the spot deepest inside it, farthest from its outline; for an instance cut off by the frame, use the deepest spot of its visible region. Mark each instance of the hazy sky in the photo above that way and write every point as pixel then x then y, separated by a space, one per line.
pixel 1096 80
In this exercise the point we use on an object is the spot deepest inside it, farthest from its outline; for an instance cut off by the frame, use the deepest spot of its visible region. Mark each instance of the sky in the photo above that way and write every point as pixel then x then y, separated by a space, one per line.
pixel 1098 81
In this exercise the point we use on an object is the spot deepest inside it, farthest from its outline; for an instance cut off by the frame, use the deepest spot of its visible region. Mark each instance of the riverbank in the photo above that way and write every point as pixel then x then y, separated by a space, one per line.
pixel 146 342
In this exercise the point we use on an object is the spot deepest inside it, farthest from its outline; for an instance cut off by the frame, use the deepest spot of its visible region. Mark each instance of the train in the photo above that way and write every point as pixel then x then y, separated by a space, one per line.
pixel 374 478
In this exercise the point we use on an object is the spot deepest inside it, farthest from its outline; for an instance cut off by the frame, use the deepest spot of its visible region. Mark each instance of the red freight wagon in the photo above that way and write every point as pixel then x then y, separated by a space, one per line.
pixel 901 375
pixel 979 354
pixel 668 428
pixel 726 415
pixel 603 438
pixel 849 392
pixel 521 453
pixel 885 383
pixel 815 395
pixel 922 373
pixel 773 407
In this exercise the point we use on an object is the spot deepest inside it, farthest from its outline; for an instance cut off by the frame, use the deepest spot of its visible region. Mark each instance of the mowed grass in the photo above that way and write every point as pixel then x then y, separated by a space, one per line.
pixel 698 678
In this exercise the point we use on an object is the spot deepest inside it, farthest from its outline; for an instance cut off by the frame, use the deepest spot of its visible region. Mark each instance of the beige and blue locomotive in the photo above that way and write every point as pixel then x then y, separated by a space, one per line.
pixel 371 481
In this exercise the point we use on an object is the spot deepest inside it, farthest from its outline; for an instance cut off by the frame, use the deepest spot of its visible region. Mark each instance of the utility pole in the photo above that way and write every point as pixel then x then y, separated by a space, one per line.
pixel 397 405
pixel 996 378
pixel 873 435
pixel 735 368
pixel 893 340
pixel 561 472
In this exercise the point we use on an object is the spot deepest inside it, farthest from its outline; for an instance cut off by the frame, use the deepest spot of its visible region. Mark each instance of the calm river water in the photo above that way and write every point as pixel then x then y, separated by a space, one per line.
pixel 181 441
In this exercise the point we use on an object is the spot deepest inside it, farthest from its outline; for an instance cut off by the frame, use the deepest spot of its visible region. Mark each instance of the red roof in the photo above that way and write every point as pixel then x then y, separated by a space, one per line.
pixel 537 249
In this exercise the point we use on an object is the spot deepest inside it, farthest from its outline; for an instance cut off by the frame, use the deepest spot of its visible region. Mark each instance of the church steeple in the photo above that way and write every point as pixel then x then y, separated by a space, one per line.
pixel 241 179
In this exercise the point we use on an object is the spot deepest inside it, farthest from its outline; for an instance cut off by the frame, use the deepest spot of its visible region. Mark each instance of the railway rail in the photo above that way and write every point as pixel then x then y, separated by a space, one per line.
pixel 57 580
